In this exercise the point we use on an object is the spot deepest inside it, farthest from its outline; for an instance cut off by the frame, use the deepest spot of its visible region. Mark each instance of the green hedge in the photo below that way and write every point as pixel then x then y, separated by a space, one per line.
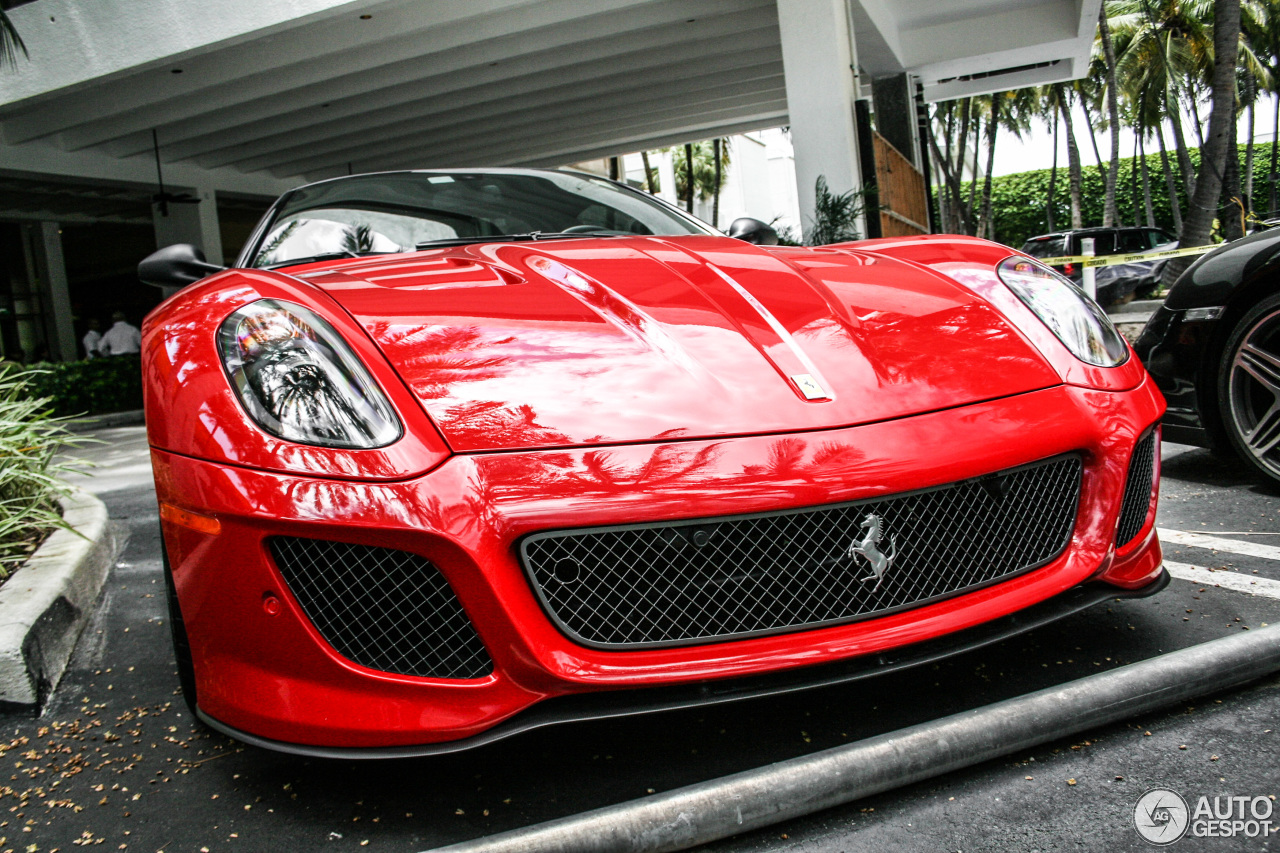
pixel 112 384
pixel 1018 201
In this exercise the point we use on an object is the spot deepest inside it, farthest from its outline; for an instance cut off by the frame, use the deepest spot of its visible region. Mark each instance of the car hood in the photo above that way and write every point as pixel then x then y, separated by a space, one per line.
pixel 564 343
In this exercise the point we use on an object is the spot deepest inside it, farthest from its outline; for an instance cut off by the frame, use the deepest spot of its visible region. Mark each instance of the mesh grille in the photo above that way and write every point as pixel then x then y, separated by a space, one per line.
pixel 385 609
pixel 1137 490
pixel 684 582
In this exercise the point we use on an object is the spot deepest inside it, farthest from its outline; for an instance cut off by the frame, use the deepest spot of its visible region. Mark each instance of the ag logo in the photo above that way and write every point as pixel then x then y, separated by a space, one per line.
pixel 1161 816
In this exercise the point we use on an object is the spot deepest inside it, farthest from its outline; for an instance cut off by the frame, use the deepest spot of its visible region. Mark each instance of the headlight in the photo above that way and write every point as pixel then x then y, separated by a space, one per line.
pixel 1072 316
pixel 300 381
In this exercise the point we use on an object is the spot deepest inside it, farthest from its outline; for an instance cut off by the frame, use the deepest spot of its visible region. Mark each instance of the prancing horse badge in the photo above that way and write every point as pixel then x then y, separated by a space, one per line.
pixel 869 549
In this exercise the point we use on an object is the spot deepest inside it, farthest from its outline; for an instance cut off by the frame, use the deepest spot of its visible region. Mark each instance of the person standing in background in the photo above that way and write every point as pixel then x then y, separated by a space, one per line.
pixel 92 339
pixel 121 338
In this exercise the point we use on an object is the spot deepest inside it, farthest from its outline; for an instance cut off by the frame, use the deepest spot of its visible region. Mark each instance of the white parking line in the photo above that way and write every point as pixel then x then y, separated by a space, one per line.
pixel 1217 543
pixel 1225 579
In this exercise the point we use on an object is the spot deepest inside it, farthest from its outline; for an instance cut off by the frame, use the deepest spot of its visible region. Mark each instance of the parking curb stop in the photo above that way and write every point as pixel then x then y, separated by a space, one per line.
pixel 45 605
pixel 753 799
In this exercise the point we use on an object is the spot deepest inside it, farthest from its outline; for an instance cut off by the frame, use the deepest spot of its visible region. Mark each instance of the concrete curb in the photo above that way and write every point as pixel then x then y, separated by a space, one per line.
pixel 46 604
pixel 752 799
pixel 133 417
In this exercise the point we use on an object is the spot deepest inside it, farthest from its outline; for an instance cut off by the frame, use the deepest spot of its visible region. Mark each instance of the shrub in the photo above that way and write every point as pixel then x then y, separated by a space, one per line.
pixel 29 488
pixel 835 217
pixel 94 387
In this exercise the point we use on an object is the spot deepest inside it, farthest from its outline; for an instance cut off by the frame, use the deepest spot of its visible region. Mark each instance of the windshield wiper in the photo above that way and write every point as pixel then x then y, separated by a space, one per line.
pixel 516 238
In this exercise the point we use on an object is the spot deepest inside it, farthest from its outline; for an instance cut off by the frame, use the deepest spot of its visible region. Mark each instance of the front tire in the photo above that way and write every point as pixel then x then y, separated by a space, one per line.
pixel 1249 388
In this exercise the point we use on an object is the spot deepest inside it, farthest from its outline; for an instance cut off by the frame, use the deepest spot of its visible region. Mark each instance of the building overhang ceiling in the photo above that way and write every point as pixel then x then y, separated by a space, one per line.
pixel 254 96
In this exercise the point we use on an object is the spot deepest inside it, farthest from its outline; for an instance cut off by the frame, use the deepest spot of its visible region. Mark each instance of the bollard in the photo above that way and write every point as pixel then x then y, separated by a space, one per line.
pixel 1088 279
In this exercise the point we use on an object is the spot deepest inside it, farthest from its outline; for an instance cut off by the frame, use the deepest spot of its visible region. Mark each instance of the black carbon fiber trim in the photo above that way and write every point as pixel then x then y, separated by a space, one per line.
pixel 385 609
pixel 687 582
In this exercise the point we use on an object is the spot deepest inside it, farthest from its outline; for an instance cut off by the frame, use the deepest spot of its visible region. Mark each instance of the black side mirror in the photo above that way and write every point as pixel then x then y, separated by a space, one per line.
pixel 176 266
pixel 753 231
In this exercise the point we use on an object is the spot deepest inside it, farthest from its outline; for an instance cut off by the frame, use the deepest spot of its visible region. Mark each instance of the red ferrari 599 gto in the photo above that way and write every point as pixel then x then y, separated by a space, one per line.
pixel 450 455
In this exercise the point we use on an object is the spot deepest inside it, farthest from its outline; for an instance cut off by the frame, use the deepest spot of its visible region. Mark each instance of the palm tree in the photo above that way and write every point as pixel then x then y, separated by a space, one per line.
pixel 1061 100
pixel 1213 155
pixel 1008 111
pixel 10 43
pixel 1260 21
pixel 1164 46
pixel 707 163
pixel 650 178
pixel 1249 72
pixel 1110 212
pixel 1260 27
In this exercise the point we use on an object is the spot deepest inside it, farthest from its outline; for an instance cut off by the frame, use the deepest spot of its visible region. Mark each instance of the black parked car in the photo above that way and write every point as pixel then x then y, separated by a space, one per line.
pixel 1120 281
pixel 1213 349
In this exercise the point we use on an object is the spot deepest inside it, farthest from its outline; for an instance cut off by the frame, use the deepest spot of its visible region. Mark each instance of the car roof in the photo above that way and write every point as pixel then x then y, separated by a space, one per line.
pixel 1100 229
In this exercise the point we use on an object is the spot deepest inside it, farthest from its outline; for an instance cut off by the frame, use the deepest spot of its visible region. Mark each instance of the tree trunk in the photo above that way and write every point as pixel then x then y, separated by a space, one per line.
pixel 1275 148
pixel 946 200
pixel 1230 204
pixel 1093 139
pixel 688 177
pixel 1133 181
pixel 1053 175
pixel 1175 208
pixel 715 203
pixel 649 183
pixel 946 163
pixel 984 218
pixel 1251 89
pixel 1110 214
pixel 1146 181
pixel 962 214
pixel 1073 160
pixel 1203 206
pixel 971 226
pixel 1174 112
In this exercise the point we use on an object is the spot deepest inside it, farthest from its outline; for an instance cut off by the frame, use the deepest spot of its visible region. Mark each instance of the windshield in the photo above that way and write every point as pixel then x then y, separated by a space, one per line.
pixel 405 211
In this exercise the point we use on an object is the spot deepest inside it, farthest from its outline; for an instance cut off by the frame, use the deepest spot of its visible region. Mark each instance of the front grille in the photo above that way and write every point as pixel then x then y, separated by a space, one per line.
pixel 682 582
pixel 1137 490
pixel 388 610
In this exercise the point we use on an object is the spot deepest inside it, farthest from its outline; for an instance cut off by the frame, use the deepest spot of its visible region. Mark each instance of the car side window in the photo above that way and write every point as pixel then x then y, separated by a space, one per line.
pixel 1103 244
pixel 1132 241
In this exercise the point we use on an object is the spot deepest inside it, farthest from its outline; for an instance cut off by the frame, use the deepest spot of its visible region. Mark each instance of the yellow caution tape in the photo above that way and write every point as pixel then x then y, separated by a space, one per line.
pixel 1113 260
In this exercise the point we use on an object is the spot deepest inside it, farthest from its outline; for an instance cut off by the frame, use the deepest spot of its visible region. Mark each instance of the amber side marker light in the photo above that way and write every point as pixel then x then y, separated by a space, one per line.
pixel 199 523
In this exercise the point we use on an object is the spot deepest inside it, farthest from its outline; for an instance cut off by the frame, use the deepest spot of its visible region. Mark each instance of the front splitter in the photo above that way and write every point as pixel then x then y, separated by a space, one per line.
pixel 601 705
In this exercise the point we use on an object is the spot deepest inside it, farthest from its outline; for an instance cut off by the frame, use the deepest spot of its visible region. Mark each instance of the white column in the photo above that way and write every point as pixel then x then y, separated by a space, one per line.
pixel 818 61
pixel 196 224
pixel 210 233
pixel 666 177
pixel 56 293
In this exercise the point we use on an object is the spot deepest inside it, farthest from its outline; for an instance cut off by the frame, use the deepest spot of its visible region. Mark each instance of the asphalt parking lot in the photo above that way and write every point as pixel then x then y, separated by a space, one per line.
pixel 116 762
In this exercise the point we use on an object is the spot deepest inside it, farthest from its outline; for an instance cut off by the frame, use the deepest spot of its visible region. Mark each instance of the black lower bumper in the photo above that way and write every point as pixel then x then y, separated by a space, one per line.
pixel 621 703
